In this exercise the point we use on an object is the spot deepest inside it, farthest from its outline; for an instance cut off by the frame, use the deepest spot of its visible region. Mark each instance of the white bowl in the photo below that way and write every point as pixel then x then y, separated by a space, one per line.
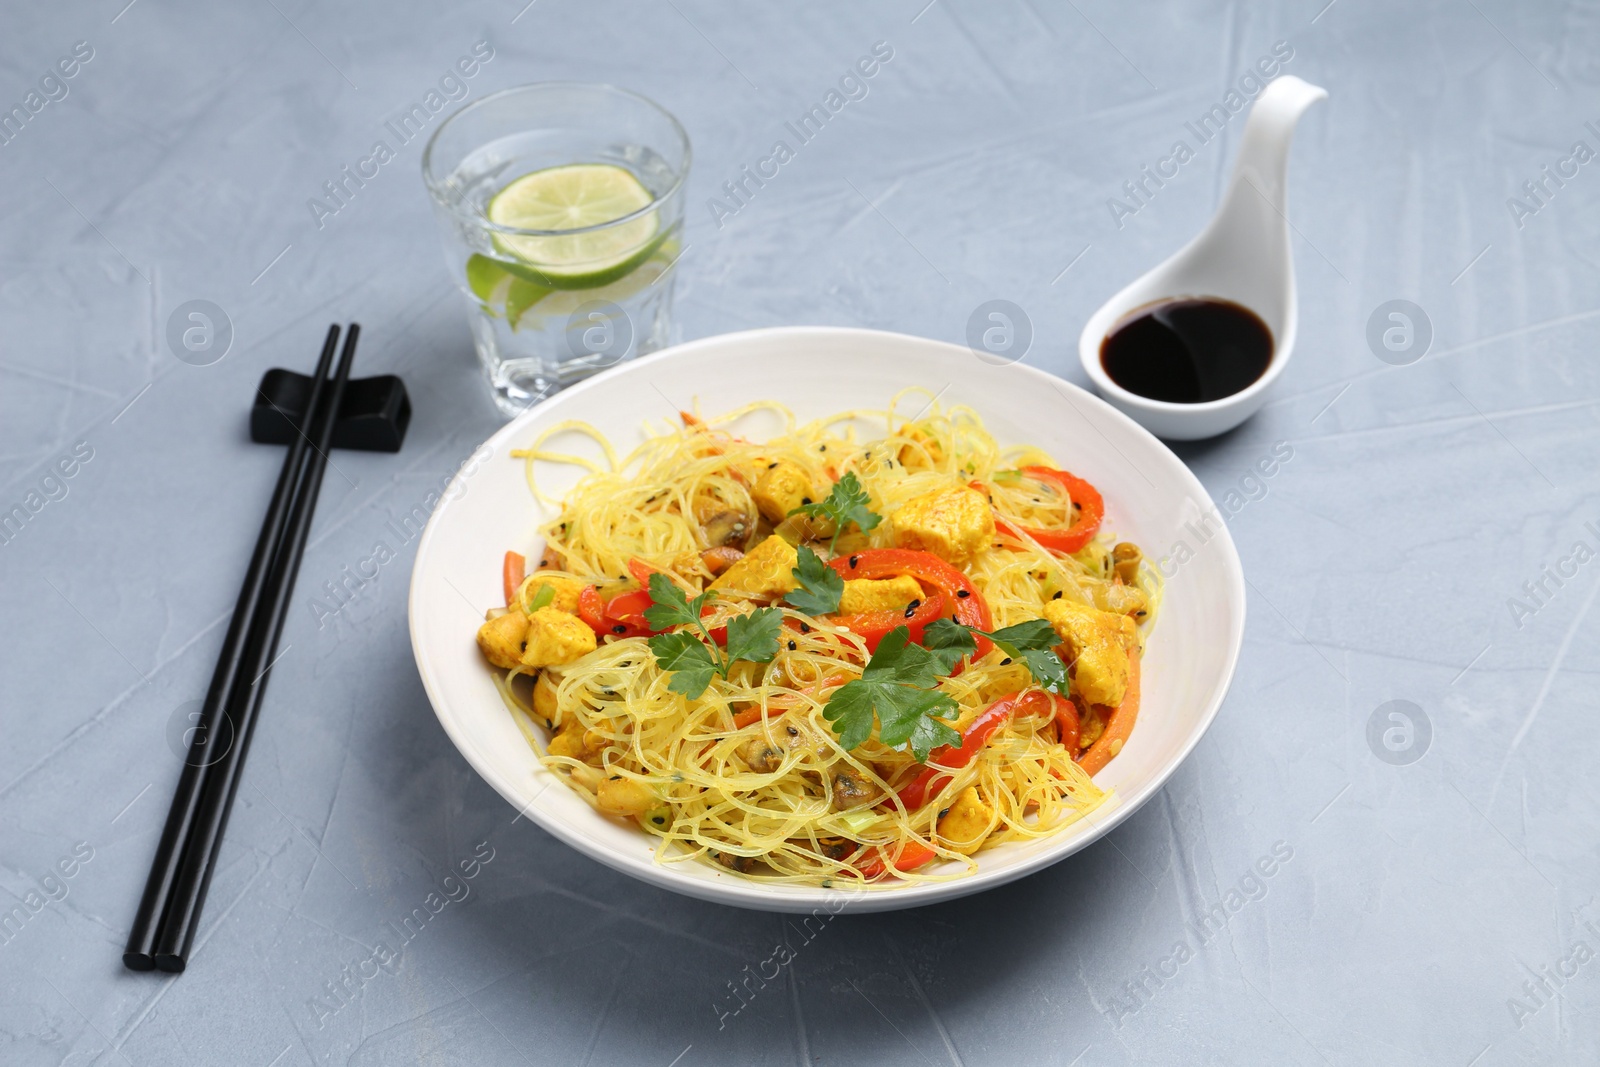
pixel 1150 497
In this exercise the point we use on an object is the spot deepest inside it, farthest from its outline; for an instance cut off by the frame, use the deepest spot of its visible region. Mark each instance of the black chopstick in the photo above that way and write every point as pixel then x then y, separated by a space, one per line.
pixel 140 952
pixel 176 934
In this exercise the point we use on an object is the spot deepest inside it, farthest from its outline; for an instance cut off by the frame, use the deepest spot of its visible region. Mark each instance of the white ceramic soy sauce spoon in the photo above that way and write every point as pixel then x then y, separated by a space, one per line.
pixel 1242 255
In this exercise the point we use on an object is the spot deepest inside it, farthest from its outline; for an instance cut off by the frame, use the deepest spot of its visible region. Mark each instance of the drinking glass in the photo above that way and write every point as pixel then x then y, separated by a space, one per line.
pixel 552 306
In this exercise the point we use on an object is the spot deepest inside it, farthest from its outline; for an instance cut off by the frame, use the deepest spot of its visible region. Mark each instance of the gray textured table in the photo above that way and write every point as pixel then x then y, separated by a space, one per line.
pixel 1421 545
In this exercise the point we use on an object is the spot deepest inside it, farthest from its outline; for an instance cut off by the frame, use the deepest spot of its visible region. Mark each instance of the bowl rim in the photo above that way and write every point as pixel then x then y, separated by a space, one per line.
pixel 788 898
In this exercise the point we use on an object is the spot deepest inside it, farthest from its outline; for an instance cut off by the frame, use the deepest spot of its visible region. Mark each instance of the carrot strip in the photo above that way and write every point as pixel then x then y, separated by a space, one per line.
pixel 1118 727
pixel 512 573
pixel 750 716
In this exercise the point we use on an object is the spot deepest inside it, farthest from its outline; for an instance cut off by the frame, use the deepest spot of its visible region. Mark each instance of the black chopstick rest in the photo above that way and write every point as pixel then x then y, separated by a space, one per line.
pixel 372 417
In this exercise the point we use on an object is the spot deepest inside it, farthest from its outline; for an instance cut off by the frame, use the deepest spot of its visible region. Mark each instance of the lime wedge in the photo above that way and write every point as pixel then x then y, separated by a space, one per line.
pixel 501 289
pixel 521 296
pixel 575 197
pixel 487 279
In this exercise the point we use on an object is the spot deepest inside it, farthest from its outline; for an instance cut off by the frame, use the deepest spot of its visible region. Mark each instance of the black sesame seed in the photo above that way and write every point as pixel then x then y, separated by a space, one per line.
pixel 1057 596
pixel 822 448
pixel 793 646
pixel 1006 662
pixel 804 628
pixel 616 777
pixel 805 500
pixel 944 812
pixel 774 463
pixel 853 560
pixel 619 629
pixel 962 593
pixel 911 608
pixel 792 731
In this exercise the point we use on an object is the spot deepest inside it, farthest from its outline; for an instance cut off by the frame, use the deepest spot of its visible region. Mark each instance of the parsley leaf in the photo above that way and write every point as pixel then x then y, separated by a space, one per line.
pixel 846 503
pixel 688 657
pixel 896 689
pixel 754 637
pixel 693 658
pixel 1046 668
pixel 1033 642
pixel 821 587
pixel 671 606
pixel 1035 635
pixel 949 641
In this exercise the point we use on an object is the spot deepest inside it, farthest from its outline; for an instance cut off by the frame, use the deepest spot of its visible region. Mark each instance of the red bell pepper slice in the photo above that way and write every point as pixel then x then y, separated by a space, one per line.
pixel 642 571
pixel 943 761
pixel 874 626
pixel 592 611
pixel 1068 727
pixel 1091 510
pixel 957 590
pixel 621 616
pixel 908 857
pixel 629 608
pixel 512 573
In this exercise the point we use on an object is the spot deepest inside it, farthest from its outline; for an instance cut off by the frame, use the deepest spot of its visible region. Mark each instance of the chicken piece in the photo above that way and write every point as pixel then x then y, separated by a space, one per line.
pixel 781 488
pixel 565 593
pixel 618 795
pixel 576 742
pixel 765 571
pixel 1097 645
pixel 965 825
pixel 501 639
pixel 555 637
pixel 954 524
pixel 544 698
pixel 862 595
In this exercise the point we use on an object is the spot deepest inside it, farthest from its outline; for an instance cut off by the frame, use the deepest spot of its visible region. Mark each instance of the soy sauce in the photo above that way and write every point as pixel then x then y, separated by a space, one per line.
pixel 1188 351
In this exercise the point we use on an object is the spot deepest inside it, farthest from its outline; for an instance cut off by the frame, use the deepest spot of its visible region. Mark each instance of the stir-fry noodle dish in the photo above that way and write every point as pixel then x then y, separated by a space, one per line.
pixel 859 652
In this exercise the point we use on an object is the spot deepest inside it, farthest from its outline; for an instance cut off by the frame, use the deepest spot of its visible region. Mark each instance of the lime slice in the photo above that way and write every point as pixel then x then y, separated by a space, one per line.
pixel 575 197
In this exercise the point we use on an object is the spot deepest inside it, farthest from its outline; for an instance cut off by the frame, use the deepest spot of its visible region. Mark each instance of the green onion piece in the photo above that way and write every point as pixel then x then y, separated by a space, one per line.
pixel 857 821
